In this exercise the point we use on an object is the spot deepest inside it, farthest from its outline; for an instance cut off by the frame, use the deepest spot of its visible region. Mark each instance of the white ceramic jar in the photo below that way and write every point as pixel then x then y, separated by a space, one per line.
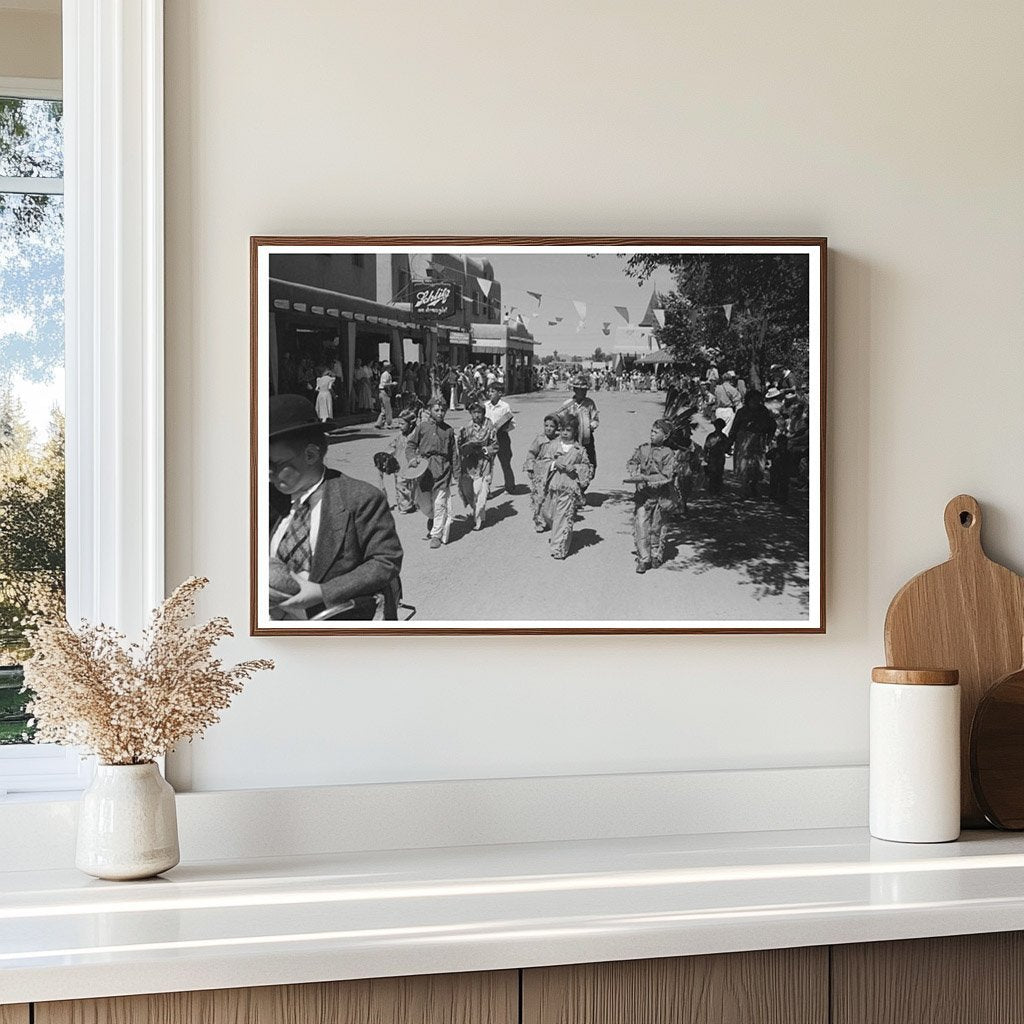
pixel 915 755
pixel 127 823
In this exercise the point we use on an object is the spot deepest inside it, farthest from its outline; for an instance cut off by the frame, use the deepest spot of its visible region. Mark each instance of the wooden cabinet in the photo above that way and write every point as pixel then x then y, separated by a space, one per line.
pixel 777 986
pixel 481 998
pixel 962 979
pixel 967 979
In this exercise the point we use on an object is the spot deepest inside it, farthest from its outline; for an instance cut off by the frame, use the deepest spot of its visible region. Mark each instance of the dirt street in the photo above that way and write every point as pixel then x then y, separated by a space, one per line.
pixel 728 558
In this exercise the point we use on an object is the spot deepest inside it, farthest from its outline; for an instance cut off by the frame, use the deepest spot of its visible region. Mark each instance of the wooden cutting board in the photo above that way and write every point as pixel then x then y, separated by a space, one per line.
pixel 967 614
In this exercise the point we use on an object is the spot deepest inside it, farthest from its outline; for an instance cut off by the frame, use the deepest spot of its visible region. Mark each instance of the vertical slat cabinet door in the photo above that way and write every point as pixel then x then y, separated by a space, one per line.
pixel 479 998
pixel 776 986
pixel 959 979
pixel 14 1014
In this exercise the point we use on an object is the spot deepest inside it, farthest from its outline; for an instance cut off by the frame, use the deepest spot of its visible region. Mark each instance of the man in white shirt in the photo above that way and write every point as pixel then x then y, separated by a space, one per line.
pixel 384 394
pixel 728 398
pixel 499 412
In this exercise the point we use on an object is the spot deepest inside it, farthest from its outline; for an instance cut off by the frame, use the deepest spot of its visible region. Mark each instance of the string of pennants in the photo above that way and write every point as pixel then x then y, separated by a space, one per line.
pixel 513 313
pixel 527 317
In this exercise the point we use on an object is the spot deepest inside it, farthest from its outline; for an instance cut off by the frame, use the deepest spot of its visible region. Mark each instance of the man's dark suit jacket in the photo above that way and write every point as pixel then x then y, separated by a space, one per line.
pixel 357 547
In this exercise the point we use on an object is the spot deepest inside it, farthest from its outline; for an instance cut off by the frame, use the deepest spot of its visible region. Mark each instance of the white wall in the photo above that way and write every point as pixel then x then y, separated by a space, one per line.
pixel 895 129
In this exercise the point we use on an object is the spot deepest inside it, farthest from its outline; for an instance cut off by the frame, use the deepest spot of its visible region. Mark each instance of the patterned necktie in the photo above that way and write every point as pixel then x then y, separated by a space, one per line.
pixel 295 550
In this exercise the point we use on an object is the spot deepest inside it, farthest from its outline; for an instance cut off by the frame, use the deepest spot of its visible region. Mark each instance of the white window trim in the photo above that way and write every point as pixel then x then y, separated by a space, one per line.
pixel 32 88
pixel 114 324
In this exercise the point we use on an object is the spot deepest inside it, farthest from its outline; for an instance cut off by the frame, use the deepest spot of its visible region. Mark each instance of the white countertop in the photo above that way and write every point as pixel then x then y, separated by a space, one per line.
pixel 225 924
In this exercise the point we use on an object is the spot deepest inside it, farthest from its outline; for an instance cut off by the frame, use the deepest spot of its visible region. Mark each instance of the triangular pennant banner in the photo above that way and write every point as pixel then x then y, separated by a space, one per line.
pixel 606 327
pixel 660 315
pixel 727 309
pixel 623 312
pixel 485 286
pixel 535 295
pixel 581 309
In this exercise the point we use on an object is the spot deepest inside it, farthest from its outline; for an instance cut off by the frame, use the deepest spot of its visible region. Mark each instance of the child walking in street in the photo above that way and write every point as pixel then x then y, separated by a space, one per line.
pixel 433 440
pixel 652 468
pixel 716 448
pixel 536 467
pixel 478 444
pixel 398 447
pixel 569 475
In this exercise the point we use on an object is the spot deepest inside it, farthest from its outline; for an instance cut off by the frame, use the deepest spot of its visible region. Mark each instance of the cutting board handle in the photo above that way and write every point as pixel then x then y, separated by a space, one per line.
pixel 963 526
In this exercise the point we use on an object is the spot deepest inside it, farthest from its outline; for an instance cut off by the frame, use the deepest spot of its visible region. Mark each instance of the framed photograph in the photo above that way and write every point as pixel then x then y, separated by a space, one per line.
pixel 537 435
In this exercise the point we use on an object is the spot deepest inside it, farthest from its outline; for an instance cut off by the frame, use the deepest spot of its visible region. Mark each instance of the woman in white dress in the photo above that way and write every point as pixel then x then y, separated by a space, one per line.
pixel 324 398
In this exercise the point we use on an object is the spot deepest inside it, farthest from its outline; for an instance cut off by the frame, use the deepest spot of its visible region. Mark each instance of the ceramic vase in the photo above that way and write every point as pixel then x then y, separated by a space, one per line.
pixel 127 825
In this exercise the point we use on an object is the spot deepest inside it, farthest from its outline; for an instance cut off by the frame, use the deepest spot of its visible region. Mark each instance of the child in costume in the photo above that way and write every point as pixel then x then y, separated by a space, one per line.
pixel 569 474
pixel 536 467
pixel 398 449
pixel 652 467
pixel 432 440
pixel 478 444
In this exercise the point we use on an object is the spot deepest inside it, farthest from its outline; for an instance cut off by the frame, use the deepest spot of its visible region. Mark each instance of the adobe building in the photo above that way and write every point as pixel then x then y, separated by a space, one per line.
pixel 341 310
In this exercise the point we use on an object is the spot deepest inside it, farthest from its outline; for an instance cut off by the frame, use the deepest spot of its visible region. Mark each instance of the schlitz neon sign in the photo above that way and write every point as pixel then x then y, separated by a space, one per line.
pixel 438 300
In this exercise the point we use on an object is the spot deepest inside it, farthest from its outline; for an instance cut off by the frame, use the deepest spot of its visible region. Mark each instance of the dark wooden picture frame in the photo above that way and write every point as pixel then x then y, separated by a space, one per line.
pixel 466 248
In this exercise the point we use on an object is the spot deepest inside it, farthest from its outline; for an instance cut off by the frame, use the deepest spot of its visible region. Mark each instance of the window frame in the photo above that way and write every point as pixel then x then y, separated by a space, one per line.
pixel 37 767
pixel 112 90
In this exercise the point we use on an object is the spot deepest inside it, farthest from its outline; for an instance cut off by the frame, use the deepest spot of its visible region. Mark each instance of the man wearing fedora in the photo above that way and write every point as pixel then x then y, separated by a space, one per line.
pixel 585 410
pixel 337 538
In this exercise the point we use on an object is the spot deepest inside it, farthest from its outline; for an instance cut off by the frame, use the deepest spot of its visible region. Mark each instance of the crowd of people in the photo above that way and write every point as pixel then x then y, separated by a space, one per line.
pixel 380 388
pixel 764 432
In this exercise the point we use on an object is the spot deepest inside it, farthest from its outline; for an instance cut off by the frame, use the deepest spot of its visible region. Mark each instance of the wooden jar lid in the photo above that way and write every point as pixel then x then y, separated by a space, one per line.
pixel 916 676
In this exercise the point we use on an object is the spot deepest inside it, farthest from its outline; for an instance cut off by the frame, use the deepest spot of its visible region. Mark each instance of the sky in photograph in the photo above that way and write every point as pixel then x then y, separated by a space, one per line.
pixel 600 281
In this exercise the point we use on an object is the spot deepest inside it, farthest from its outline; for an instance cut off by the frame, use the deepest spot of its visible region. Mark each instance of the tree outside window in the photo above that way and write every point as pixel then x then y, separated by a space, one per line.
pixel 32 544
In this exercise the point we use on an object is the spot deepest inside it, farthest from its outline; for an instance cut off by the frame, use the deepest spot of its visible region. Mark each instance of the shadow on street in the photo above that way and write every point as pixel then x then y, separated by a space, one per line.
pixel 765 540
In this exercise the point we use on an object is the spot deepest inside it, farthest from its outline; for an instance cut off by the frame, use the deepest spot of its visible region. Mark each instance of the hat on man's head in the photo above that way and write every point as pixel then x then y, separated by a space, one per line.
pixel 729 375
pixel 580 381
pixel 292 413
pixel 772 393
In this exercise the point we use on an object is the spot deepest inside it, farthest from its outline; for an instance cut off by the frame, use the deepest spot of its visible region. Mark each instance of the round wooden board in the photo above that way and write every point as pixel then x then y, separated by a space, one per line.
pixel 997 752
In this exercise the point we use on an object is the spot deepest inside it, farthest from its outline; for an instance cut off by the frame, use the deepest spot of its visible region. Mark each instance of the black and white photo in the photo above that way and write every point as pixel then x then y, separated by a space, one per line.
pixel 550 435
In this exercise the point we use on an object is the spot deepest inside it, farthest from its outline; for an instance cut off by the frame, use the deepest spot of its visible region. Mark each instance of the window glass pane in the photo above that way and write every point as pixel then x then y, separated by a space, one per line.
pixel 31 138
pixel 31 432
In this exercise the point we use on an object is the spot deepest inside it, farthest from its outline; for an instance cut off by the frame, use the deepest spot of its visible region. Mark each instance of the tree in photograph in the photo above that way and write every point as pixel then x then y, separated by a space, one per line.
pixel 599 356
pixel 767 295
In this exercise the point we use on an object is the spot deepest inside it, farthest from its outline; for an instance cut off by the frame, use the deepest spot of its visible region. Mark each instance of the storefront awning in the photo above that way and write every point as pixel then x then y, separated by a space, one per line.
pixel 305 298
pixel 494 339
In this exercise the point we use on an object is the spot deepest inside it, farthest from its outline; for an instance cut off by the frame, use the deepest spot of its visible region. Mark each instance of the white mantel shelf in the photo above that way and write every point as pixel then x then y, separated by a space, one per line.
pixel 225 924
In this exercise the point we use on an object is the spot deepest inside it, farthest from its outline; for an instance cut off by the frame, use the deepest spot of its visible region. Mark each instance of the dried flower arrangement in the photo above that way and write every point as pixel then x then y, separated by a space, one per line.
pixel 129 704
